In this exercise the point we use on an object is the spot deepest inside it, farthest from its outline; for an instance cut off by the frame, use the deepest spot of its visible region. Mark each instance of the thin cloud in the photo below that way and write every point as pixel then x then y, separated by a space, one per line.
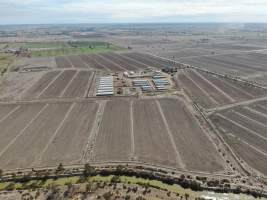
pixel 34 11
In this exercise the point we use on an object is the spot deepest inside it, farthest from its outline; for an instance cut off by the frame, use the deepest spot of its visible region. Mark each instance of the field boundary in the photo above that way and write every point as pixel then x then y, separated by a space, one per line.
pixel 178 156
pixel 88 152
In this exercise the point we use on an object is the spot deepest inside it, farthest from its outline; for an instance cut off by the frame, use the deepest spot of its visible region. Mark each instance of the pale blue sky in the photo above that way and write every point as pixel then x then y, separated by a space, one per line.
pixel 120 11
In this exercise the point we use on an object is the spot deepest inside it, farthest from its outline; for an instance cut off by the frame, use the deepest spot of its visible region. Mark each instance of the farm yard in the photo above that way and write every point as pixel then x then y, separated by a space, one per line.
pixel 60 133
pixel 244 129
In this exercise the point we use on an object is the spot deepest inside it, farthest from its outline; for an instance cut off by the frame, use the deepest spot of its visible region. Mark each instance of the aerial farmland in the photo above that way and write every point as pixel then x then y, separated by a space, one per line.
pixel 196 109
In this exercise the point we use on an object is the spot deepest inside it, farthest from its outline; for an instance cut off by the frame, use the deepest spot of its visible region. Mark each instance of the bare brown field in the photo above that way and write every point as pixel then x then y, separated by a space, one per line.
pixel 228 87
pixel 91 61
pixel 193 90
pixel 5 110
pixel 114 58
pixel 14 84
pixel 152 144
pixel 114 136
pixel 28 147
pixel 112 61
pixel 211 90
pixel 107 63
pixel 131 61
pixel 151 58
pixel 41 84
pixel 235 64
pixel 221 66
pixel 78 86
pixel 246 132
pixel 241 89
pixel 55 89
pixel 252 157
pixel 153 131
pixel 263 103
pixel 77 62
pixel 62 62
pixel 252 113
pixel 235 124
pixel 250 123
pixel 252 90
pixel 71 138
pixel 197 151
pixel 233 46
pixel 253 59
pixel 261 107
pixel 186 52
pixel 147 60
pixel 16 122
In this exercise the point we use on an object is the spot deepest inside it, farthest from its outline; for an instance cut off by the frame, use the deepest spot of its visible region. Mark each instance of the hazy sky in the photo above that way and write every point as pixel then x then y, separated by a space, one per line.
pixel 106 11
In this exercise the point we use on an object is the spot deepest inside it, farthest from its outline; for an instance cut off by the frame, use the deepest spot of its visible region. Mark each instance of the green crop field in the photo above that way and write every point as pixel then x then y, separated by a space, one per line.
pixel 51 49
pixel 75 51
pixel 40 45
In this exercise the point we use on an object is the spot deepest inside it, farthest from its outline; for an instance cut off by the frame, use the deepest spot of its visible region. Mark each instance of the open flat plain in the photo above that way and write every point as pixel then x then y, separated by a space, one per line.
pixel 46 134
pixel 55 117
pixel 235 64
pixel 211 90
pixel 158 131
pixel 111 61
pixel 209 122
pixel 244 129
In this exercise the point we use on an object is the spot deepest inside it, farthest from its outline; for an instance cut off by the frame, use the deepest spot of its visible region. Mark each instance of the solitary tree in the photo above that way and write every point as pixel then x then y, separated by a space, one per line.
pixel 88 170
pixel 60 167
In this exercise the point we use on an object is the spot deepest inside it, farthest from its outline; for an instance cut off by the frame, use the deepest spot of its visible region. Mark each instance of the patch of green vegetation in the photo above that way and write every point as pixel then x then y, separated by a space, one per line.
pixel 54 45
pixel 75 51
pixel 172 188
pixel 38 183
pixel 3 186
pixel 89 44
pixel 153 183
pixel 5 61
pixel 101 178
pixel 61 181
pixel 124 179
